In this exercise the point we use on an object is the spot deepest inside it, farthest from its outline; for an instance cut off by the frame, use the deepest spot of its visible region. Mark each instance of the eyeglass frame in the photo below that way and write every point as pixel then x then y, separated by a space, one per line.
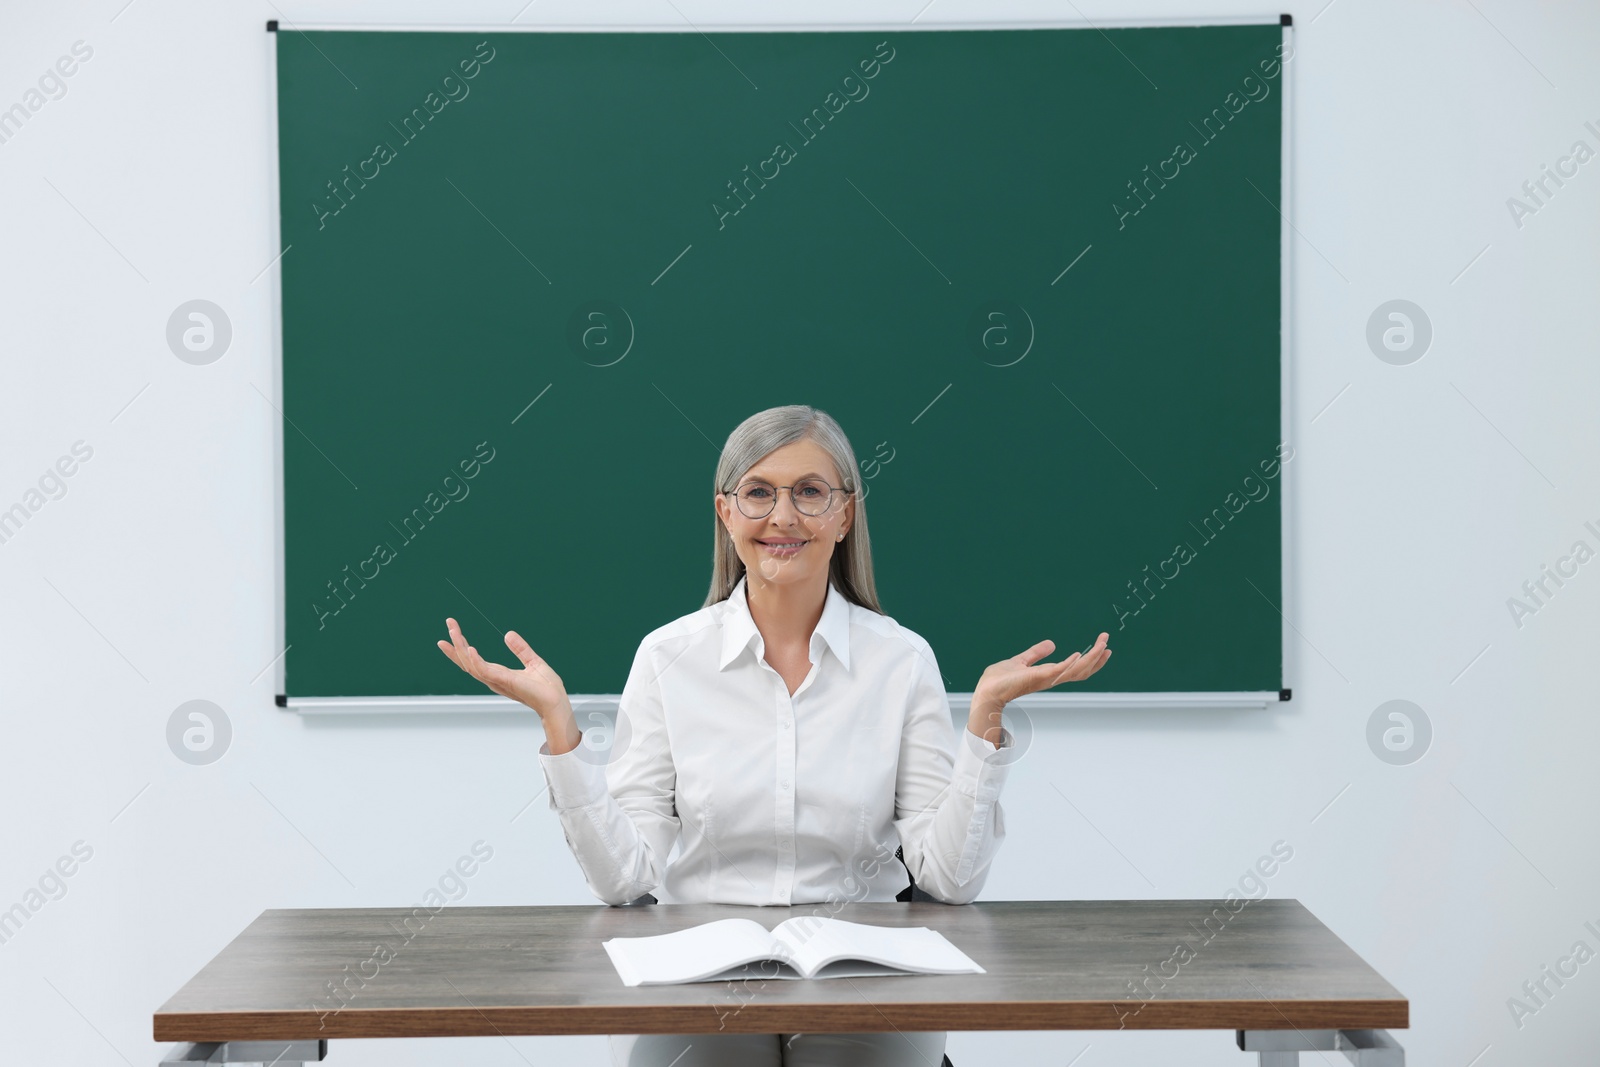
pixel 734 492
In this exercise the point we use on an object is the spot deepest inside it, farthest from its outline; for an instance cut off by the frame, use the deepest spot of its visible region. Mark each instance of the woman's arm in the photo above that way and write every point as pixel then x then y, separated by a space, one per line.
pixel 619 817
pixel 947 807
pixel 617 806
pixel 948 811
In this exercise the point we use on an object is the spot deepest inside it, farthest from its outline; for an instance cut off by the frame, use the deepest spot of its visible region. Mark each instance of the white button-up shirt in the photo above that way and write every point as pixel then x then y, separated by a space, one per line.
pixel 778 799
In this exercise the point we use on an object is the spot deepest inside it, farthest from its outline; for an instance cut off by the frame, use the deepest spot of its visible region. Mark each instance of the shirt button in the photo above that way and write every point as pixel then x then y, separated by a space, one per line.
pixel 784 783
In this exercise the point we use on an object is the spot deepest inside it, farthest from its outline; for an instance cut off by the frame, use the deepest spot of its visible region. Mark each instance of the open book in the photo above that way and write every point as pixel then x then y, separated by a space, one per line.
pixel 807 946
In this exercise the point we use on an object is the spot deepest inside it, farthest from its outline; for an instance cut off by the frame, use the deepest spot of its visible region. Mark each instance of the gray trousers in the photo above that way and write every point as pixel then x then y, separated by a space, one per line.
pixel 891 1049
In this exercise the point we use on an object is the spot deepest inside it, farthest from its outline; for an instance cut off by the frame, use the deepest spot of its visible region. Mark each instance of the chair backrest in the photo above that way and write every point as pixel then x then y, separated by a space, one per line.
pixel 905 896
pixel 912 891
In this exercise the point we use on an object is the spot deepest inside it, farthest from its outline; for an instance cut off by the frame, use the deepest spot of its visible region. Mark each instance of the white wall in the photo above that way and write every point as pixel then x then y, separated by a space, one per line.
pixel 1425 496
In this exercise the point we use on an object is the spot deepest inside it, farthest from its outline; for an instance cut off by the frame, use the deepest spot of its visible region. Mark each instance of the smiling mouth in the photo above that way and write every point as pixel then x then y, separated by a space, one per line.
pixel 783 547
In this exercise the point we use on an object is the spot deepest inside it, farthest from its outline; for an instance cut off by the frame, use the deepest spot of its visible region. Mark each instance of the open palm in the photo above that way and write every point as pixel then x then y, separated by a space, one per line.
pixel 1022 674
pixel 535 684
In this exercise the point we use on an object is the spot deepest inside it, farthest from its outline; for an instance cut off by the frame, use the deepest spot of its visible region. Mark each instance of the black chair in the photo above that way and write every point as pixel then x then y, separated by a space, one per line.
pixel 912 891
pixel 905 896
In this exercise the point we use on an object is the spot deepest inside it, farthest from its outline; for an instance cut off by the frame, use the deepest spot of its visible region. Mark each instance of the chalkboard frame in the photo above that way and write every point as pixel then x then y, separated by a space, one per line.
pixel 606 703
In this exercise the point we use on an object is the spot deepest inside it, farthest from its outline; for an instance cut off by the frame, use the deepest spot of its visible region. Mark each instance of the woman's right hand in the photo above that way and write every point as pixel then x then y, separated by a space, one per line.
pixel 535 685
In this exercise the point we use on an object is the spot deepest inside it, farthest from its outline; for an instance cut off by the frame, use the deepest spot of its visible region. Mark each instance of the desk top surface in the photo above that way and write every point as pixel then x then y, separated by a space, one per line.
pixel 1051 965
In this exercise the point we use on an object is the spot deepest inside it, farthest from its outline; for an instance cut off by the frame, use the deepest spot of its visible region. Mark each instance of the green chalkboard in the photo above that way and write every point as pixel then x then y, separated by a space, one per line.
pixel 534 279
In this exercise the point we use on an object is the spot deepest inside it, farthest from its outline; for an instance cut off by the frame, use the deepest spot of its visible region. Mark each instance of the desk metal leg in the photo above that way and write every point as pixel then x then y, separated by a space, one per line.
pixel 275 1053
pixel 1364 1048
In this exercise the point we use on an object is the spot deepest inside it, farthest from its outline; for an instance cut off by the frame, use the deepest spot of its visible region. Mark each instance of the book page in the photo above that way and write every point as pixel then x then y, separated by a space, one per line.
pixel 815 942
pixel 692 955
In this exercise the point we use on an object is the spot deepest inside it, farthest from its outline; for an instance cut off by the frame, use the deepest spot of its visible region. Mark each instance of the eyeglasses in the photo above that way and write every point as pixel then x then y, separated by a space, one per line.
pixel 811 497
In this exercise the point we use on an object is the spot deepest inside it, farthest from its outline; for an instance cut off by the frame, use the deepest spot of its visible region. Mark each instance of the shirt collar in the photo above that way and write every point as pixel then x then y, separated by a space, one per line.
pixel 739 627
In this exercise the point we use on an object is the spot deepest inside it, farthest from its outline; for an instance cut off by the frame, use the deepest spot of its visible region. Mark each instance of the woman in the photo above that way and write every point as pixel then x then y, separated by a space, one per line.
pixel 786 736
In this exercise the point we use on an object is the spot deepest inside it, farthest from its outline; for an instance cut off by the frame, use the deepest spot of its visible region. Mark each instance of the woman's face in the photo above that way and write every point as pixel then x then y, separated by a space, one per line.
pixel 788 545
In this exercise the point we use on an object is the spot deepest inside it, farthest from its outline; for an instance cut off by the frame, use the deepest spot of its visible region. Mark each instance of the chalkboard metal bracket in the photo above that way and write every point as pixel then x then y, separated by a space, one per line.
pixel 1286 20
pixel 1284 694
pixel 272 25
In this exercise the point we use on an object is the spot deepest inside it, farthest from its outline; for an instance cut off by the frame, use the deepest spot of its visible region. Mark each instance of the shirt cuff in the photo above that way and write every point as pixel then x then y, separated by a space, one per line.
pixel 574 781
pixel 980 767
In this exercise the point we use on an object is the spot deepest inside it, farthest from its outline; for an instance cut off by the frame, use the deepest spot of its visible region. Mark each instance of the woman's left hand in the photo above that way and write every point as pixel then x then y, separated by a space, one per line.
pixel 1003 682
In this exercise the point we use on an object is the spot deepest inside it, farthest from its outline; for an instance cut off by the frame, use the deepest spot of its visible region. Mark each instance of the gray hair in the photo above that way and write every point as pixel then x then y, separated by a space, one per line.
pixel 752 440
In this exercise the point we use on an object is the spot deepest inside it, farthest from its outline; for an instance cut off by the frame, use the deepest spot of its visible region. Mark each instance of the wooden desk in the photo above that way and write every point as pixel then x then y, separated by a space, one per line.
pixel 311 975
